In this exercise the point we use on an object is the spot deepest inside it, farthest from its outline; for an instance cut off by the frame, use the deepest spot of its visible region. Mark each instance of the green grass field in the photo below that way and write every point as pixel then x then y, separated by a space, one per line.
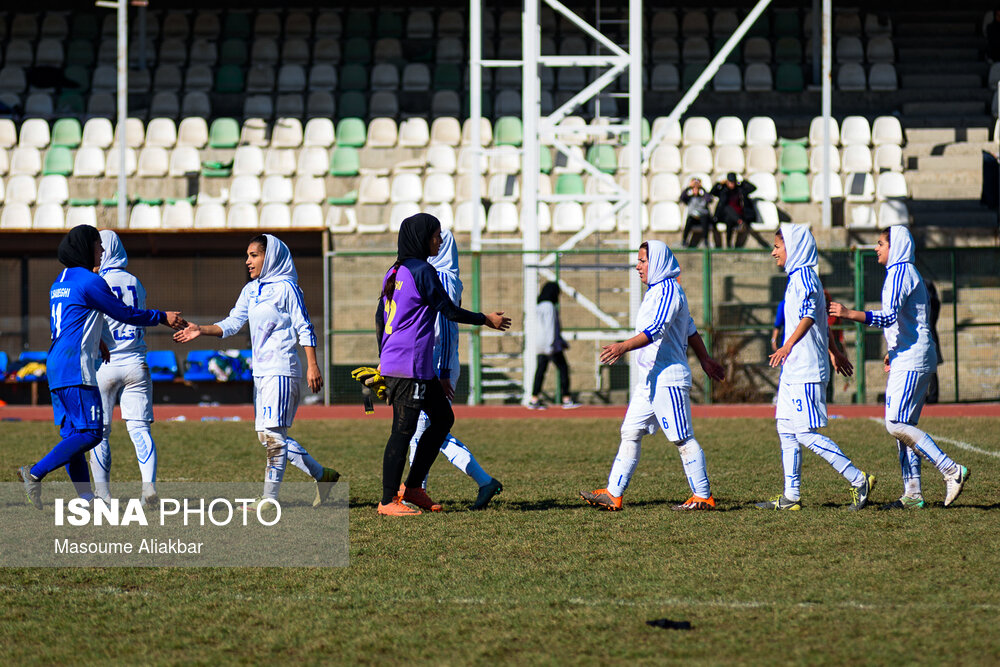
pixel 541 578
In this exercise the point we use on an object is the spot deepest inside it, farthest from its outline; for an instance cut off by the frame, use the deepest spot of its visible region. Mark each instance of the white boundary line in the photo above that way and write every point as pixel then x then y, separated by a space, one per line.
pixel 958 443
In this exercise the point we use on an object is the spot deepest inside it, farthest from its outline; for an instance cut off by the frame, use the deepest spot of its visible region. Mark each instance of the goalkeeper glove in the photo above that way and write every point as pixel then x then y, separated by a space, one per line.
pixel 371 378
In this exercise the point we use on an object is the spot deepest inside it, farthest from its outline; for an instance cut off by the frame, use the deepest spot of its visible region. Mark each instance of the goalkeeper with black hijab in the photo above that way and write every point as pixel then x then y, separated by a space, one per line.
pixel 412 296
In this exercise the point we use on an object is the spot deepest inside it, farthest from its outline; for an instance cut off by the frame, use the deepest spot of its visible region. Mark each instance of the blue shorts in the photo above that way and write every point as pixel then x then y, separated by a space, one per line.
pixel 77 408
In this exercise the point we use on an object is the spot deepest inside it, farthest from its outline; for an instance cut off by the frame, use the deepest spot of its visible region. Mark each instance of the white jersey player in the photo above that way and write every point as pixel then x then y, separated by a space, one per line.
pixel 447 367
pixel 803 358
pixel 911 360
pixel 125 378
pixel 662 399
pixel 273 304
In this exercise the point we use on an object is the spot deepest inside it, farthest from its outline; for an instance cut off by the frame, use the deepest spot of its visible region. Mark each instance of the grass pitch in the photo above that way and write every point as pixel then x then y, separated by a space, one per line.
pixel 541 578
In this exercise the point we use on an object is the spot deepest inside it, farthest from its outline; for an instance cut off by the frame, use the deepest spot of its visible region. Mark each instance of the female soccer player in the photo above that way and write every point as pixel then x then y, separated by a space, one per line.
pixel 911 360
pixel 807 343
pixel 412 295
pixel 447 368
pixel 663 398
pixel 125 378
pixel 550 345
pixel 274 305
pixel 77 299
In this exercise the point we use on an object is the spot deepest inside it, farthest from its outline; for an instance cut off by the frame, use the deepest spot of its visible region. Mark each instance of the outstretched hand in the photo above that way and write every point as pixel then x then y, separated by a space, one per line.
pixel 497 321
pixel 175 321
pixel 188 334
pixel 836 309
pixel 779 356
pixel 612 353
pixel 713 369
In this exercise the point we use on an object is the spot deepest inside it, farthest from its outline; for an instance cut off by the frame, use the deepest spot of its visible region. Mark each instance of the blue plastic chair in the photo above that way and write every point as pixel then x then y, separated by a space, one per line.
pixel 33 355
pixel 197 366
pixel 163 365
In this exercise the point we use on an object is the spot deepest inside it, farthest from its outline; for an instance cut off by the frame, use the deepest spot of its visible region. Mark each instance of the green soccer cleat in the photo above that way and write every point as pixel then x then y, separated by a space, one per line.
pixel 32 486
pixel 860 494
pixel 780 503
pixel 904 503
pixel 953 487
pixel 324 485
pixel 486 493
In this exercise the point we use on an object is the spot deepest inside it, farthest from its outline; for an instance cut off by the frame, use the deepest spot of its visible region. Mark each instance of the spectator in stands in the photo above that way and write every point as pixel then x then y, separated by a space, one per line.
pixel 734 208
pixel 697 199
pixel 550 345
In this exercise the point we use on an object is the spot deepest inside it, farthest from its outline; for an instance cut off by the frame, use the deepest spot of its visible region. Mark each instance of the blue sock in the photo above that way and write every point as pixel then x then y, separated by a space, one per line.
pixel 63 453
pixel 79 474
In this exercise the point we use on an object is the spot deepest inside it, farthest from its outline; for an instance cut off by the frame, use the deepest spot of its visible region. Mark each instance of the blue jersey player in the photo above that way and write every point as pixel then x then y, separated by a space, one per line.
pixel 78 300
pixel 412 296
pixel 911 360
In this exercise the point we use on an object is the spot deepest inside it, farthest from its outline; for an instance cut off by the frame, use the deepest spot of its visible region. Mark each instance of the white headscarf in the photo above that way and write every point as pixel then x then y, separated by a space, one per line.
pixel 800 247
pixel 114 256
pixel 661 263
pixel 900 246
pixel 446 261
pixel 278 264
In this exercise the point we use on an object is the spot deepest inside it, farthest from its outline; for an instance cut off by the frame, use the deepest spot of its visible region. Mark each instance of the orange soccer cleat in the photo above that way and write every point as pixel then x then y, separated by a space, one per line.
pixel 419 497
pixel 397 508
pixel 696 503
pixel 602 498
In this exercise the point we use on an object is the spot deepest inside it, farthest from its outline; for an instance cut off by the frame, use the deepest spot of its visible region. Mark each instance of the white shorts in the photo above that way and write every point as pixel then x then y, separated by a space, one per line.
pixel 275 399
pixel 803 404
pixel 904 395
pixel 669 409
pixel 131 387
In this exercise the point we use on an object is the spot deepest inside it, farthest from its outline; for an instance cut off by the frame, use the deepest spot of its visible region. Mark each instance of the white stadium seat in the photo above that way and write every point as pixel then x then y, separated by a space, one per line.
pixel 665 217
pixel 79 215
pixel 816 131
pixel 178 215
pixel 144 216
pixel 890 185
pixel 242 216
pixel 48 216
pixel 307 216
pixel 275 216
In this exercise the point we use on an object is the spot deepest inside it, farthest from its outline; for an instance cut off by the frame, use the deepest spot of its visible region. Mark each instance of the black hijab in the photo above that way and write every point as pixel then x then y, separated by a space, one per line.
pixel 550 292
pixel 415 236
pixel 77 247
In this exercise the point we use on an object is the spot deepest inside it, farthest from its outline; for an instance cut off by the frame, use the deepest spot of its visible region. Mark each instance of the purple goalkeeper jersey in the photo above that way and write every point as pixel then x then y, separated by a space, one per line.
pixel 406 323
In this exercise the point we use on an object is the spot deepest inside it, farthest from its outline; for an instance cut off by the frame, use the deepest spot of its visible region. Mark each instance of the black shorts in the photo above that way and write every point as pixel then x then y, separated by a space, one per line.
pixel 410 392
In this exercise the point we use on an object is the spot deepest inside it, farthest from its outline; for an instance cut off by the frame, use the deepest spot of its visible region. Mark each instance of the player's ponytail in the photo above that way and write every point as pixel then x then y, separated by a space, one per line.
pixel 390 282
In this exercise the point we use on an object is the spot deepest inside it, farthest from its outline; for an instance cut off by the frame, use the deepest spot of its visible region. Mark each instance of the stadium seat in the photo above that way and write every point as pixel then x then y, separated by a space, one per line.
pixel 757 50
pixel 294 53
pixel 414 133
pixel 39 104
pixel 671 131
pixel 344 161
pixel 196 366
pixel 508 131
pixel 757 78
pixel 441 158
pixel 438 188
pixel 485 132
pixel 794 188
pixel 666 217
pixel 881 50
pixel 788 50
pixel 275 216
pixel 318 132
pixel 464 214
pixel 66 132
pixel 882 76
pixel 58 160
pixel 15 215
pixel 503 160
pixel 728 159
pixel 665 158
pixel 888 157
pixel 624 218
pixel 664 187
pixel 697 130
pixel 696 51
pixel 248 161
pixel 855 131
pixel 307 216
pixel 729 132
pixel 603 157
pixel 859 187
pixel 112 162
pixel 286 133
pixel 224 133
pixel 816 131
pixel 794 158
pixel 309 190
pixel 12 80
pixel 502 218
pixel 599 216
pixel 406 187
pixel 567 217
pixel 767 217
pixel 503 187
pixel 849 50
pixel 168 77
pixel 178 215
pixel 697 158
pixel 53 189
pixel 664 22
pixel 665 77
pixel 893 212
pixel 816 159
pixel 887 130
pixel 401 211
pixel 890 185
pixel 767 186
pixel 8 133
pixel 788 78
pixel 88 162
pixel 856 158
pixel 862 216
pixel 80 215
pixel 279 162
pixel 351 132
pixel 761 159
pixel 210 216
pixel 276 190
pixel 34 133
pixel 242 216
pixel 851 77
pixel 25 160
pixel 48 216
pixel 245 190
pixel 666 50
pixel 145 216
pixel 382 133
pixel 728 79
pixel 816 189
pixel 254 132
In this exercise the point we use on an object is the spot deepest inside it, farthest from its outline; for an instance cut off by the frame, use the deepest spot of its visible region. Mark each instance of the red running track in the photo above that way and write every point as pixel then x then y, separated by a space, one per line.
pixel 740 411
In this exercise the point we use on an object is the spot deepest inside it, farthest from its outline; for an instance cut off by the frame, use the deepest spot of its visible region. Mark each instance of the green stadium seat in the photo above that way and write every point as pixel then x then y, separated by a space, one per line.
pixel 224 133
pixel 358 23
pixel 80 52
pixel 346 199
pixel 80 76
pixel 603 157
pixel 237 24
pixel 794 158
pixel 788 50
pixel 545 160
pixel 233 52
pixel 447 76
pixel 572 184
pixel 213 169
pixel 345 160
pixel 508 131
pixel 351 132
pixel 83 201
pixel 70 102
pixel 352 104
pixel 646 133
pixel 389 24
pixel 789 79
pixel 794 188
pixel 67 132
pixel 58 160
pixel 353 77
pixel 358 50
pixel 229 79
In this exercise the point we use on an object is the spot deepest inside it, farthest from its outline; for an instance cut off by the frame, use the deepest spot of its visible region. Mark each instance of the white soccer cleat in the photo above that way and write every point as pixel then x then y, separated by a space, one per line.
pixel 953 487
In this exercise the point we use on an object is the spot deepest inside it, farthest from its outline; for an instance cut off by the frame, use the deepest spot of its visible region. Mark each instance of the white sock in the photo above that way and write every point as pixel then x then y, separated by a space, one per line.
pixel 460 457
pixel 791 464
pixel 693 460
pixel 277 455
pixel 145 449
pixel 912 436
pixel 625 463
pixel 831 453
pixel 909 465
pixel 300 458
pixel 100 465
